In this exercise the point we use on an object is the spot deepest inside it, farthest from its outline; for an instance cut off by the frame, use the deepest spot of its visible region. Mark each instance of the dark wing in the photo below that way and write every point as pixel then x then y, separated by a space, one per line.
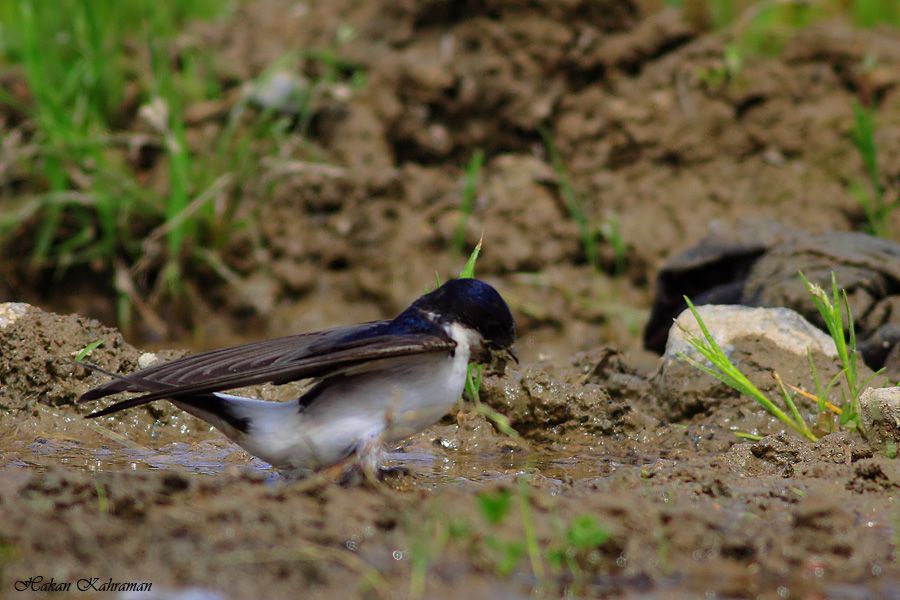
pixel 243 359
pixel 277 361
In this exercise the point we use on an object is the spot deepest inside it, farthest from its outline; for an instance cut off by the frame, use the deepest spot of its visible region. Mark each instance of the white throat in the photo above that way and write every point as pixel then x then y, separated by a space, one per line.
pixel 468 341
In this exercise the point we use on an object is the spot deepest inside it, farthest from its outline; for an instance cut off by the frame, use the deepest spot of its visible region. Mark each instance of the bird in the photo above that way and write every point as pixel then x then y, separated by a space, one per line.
pixel 371 384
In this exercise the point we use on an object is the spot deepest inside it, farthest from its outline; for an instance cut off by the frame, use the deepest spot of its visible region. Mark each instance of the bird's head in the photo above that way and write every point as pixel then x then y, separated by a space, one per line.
pixel 479 310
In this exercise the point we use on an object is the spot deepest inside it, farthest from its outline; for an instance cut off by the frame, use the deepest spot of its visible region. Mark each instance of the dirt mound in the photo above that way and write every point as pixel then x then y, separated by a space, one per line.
pixel 38 350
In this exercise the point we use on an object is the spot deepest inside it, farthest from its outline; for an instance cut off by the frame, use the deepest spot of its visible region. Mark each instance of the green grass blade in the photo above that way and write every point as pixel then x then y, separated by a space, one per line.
pixel 800 423
pixel 469 194
pixel 468 270
pixel 864 139
pixel 531 541
pixel 851 346
pixel 817 381
pixel 725 371
pixel 573 205
pixel 86 351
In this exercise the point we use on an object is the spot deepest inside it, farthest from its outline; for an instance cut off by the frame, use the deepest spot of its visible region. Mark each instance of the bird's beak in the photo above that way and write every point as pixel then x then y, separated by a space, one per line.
pixel 498 359
pixel 510 354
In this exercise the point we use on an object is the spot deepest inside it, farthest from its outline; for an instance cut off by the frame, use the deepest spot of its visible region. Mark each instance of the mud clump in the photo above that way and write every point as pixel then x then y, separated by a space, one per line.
pixel 496 76
pixel 818 539
pixel 539 236
pixel 541 404
pixel 790 456
pixel 38 369
pixel 37 355
pixel 876 475
pixel 68 522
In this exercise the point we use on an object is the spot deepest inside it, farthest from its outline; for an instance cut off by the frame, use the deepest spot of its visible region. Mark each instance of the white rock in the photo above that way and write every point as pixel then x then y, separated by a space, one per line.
pixel 147 359
pixel 11 311
pixel 782 327
pixel 282 90
pixel 881 414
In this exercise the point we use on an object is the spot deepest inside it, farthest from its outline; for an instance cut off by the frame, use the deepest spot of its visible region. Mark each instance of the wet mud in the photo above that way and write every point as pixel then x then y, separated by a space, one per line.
pixel 353 223
pixel 685 507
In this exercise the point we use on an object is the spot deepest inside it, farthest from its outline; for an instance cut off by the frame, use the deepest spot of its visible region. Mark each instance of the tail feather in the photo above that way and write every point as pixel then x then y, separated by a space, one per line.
pixel 118 406
pixel 208 403
pixel 131 383
pixel 223 408
pixel 113 387
pixel 120 383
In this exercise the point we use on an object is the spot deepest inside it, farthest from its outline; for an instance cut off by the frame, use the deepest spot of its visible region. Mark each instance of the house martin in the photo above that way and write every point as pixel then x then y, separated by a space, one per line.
pixel 371 384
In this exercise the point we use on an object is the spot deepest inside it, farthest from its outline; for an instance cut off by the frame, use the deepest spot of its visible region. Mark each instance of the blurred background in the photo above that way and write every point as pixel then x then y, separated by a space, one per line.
pixel 200 172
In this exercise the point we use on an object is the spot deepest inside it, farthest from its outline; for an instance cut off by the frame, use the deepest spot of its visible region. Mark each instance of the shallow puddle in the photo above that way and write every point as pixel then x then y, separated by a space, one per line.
pixel 215 454
pixel 206 457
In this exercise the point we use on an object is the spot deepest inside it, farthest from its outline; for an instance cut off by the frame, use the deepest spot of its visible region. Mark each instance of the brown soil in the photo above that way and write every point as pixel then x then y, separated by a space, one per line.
pixel 651 139
pixel 153 495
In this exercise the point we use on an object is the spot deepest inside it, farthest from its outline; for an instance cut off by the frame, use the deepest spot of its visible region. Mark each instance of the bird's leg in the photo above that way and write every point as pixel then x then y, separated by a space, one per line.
pixel 366 464
pixel 369 456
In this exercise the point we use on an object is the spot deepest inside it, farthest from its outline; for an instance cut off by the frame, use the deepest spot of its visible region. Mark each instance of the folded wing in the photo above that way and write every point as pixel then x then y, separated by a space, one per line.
pixel 278 361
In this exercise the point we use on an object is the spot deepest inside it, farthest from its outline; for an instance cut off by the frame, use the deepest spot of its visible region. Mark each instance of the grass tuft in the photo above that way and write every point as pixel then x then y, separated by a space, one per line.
pixel 725 371
pixel 871 196
pixel 469 195
pixel 503 543
pixel 573 205
pixel 832 308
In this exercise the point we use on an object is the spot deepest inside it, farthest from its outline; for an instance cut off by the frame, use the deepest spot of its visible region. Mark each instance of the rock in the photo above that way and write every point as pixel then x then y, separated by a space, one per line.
pixel 147 359
pixel 713 271
pixel 881 416
pixel 782 327
pixel 10 313
pixel 757 264
pixel 759 341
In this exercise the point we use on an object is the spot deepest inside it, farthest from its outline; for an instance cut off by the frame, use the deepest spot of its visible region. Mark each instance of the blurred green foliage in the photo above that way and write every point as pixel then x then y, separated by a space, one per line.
pixel 107 176
pixel 84 64
pixel 794 13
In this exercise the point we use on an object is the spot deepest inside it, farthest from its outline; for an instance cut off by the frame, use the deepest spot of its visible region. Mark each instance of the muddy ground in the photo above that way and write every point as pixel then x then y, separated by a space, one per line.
pixel 684 508
pixel 654 140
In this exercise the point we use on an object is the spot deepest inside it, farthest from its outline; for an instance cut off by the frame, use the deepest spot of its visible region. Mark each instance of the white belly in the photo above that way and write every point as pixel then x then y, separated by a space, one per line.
pixel 392 405
pixel 391 400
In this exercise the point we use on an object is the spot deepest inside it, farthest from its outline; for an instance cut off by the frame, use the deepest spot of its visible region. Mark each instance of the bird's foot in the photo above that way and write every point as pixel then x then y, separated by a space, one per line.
pixel 353 476
pixel 368 466
pixel 392 472
pixel 357 475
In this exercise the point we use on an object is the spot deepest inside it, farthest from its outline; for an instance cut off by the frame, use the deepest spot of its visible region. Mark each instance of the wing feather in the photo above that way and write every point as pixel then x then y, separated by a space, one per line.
pixel 280 360
pixel 245 358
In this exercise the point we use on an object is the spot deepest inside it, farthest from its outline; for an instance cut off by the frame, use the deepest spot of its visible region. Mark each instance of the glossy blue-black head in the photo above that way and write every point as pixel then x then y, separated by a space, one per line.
pixel 476 305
